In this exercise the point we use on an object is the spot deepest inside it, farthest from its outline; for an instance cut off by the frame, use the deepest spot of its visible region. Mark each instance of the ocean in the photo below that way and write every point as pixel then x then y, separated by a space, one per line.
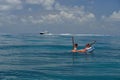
pixel 49 57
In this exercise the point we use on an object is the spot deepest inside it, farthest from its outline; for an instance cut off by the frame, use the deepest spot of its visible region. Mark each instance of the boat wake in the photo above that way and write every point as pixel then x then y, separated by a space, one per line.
pixel 68 34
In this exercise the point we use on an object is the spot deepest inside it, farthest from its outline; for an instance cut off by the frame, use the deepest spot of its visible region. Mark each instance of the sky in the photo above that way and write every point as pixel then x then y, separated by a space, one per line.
pixel 60 16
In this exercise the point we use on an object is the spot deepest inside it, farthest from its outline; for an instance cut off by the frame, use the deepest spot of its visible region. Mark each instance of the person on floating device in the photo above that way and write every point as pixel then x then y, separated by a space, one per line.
pixel 88 48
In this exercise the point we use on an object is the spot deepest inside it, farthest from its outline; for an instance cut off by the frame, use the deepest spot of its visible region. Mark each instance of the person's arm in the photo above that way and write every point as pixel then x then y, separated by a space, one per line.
pixel 93 42
pixel 82 50
pixel 74 50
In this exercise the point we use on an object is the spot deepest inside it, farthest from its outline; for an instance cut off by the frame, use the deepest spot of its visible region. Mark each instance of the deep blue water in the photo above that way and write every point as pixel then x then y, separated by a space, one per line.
pixel 49 57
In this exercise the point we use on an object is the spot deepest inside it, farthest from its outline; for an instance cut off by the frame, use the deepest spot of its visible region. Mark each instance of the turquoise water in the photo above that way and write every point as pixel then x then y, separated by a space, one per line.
pixel 49 57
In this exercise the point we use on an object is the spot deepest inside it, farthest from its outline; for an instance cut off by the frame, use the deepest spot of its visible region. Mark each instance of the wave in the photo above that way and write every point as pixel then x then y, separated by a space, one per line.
pixel 91 35
pixel 69 34
pixel 54 34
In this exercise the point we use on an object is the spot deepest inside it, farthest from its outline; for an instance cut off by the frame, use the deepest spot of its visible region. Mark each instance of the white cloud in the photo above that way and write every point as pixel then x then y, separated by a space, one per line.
pixel 69 14
pixel 10 4
pixel 115 16
pixel 4 7
pixel 13 2
pixel 6 19
pixel 47 4
pixel 61 14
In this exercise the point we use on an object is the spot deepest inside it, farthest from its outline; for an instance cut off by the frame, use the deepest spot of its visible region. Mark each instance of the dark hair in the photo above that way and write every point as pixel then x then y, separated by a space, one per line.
pixel 76 44
pixel 88 45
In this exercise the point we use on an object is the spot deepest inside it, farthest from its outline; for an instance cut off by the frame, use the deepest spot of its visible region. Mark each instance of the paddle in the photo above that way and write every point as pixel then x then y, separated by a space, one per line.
pixel 73 42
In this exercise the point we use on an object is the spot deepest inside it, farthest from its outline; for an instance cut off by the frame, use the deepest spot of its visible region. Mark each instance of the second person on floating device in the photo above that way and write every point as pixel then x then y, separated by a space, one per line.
pixel 87 47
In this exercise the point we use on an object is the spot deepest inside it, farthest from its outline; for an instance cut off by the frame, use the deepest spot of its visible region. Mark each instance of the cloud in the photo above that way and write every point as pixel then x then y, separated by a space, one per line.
pixel 13 1
pixel 47 4
pixel 115 16
pixel 4 7
pixel 56 14
pixel 71 17
pixel 10 5
pixel 74 14
pixel 62 14
pixel 7 19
